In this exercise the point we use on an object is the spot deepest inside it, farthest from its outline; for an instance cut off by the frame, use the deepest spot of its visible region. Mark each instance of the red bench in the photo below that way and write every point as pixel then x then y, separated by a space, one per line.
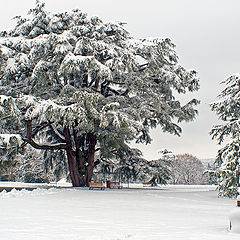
pixel 147 184
pixel 96 185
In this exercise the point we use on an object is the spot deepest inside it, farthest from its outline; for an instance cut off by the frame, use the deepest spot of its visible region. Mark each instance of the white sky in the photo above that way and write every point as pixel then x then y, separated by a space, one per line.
pixel 206 33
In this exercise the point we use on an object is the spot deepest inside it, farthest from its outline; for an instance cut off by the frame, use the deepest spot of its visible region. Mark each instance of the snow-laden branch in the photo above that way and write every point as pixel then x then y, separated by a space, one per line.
pixel 6 140
pixel 45 146
pixel 39 128
pixel 57 133
pixel 30 141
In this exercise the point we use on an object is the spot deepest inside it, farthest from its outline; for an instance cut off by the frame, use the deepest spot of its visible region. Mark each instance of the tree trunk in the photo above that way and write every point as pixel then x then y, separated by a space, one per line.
pixel 90 160
pixel 79 173
pixel 81 161
pixel 77 179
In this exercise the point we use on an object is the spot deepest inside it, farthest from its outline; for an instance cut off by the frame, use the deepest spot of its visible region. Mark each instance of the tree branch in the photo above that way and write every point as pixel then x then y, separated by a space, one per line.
pixel 97 162
pixel 97 149
pixel 91 83
pixel 38 128
pixel 29 129
pixel 31 134
pixel 45 146
pixel 57 133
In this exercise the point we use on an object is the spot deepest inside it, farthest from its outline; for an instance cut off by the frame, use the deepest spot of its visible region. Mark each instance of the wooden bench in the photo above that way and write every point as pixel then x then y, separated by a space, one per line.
pixel 147 184
pixel 96 185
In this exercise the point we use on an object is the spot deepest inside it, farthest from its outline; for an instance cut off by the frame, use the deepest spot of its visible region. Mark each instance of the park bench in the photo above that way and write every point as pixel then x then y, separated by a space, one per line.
pixel 96 185
pixel 147 184
pixel 151 183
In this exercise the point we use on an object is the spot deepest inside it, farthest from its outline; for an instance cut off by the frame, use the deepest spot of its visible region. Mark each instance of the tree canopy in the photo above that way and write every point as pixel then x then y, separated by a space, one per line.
pixel 228 110
pixel 72 82
pixel 187 169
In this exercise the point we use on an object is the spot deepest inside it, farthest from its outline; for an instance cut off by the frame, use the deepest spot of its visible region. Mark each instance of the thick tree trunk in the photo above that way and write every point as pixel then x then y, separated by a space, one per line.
pixel 79 173
pixel 81 161
pixel 90 167
pixel 77 179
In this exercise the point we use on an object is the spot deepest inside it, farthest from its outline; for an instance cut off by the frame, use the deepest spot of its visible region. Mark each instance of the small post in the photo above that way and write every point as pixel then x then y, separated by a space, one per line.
pixel 238 201
pixel 108 184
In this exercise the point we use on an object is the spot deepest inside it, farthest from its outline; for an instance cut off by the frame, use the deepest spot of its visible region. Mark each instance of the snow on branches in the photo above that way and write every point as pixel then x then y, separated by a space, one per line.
pixel 8 140
pixel 227 108
pixel 91 80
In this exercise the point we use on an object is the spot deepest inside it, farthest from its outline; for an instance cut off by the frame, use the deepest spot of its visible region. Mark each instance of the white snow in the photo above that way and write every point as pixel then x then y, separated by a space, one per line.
pixel 235 220
pixel 26 193
pixel 175 212
pixel 6 51
pixel 140 60
pixel 3 98
pixel 28 100
pixel 6 138
pixel 11 65
pixel 61 183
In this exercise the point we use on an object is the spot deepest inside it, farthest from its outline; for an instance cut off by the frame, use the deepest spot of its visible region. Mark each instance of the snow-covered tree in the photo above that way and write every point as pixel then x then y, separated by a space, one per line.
pixel 55 162
pixel 30 167
pixel 159 171
pixel 187 169
pixel 90 85
pixel 228 110
pixel 130 166
pixel 9 149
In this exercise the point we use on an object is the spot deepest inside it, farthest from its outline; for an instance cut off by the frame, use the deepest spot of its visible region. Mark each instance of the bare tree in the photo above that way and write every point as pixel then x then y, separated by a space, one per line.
pixel 187 169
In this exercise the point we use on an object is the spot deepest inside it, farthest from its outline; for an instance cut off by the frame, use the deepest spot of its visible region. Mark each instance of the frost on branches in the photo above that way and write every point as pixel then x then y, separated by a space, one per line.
pixel 228 110
pixel 89 85
pixel 129 166
pixel 187 169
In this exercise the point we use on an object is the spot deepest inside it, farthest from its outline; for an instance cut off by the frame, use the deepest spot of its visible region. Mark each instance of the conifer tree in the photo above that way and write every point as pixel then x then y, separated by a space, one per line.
pixel 227 162
pixel 89 85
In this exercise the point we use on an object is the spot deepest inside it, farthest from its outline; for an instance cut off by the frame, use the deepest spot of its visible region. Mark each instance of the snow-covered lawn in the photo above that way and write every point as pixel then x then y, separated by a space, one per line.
pixel 182 212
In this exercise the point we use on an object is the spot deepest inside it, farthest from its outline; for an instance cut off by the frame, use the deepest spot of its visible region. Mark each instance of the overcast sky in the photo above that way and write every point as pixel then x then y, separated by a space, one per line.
pixel 206 34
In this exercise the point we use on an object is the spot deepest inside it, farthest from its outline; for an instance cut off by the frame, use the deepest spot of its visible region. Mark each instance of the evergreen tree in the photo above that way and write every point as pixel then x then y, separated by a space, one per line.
pixel 88 84
pixel 160 169
pixel 129 166
pixel 9 149
pixel 30 167
pixel 227 161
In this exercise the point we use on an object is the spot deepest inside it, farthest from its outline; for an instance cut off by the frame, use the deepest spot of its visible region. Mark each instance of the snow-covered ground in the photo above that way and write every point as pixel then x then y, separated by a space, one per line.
pixel 175 212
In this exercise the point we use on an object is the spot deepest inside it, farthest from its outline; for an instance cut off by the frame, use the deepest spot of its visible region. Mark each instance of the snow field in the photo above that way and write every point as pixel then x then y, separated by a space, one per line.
pixel 179 212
